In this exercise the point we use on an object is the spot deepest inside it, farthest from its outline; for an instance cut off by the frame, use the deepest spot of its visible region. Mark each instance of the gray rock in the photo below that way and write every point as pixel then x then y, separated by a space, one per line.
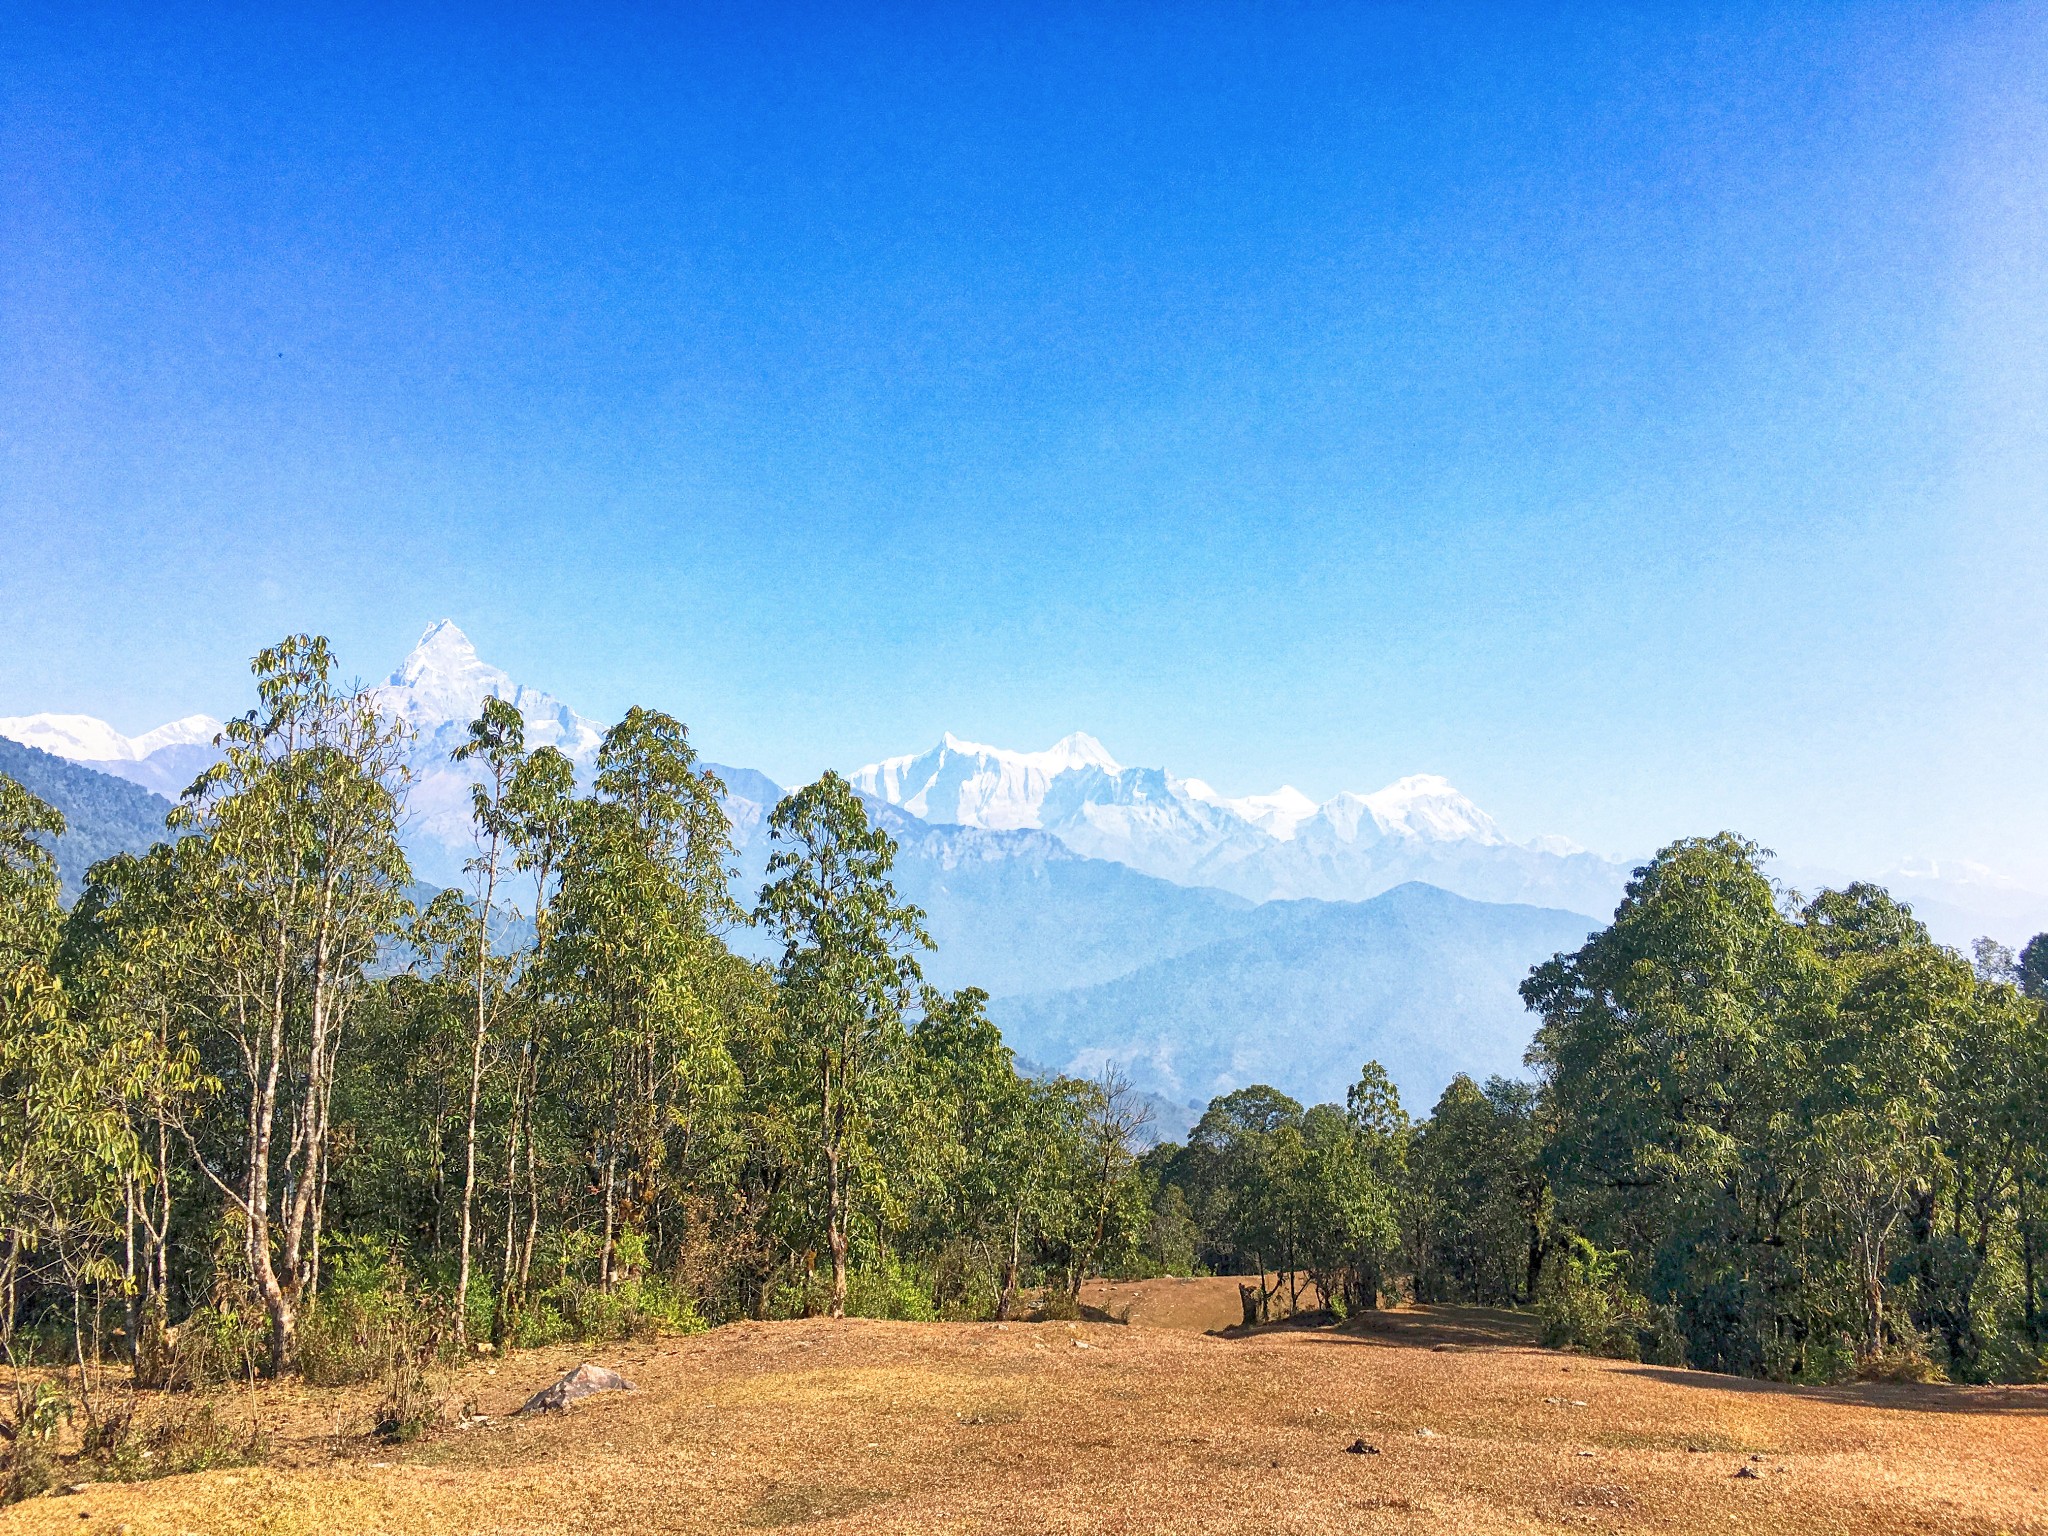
pixel 586 1380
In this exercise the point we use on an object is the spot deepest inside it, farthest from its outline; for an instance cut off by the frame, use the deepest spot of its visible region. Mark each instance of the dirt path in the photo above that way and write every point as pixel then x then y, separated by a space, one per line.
pixel 870 1427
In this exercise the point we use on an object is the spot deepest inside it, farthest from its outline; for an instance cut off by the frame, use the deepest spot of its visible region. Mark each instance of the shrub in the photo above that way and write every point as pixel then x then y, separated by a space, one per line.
pixel 1585 1303
pixel 41 1409
pixel 368 1323
pixel 890 1289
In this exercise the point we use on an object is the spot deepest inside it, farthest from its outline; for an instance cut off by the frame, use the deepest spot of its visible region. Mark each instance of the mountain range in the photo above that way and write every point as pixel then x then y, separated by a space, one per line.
pixel 1115 914
pixel 1262 847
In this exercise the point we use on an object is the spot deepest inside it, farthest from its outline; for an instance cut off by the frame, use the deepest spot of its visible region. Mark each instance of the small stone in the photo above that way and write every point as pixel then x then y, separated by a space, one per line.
pixel 1081 1344
pixel 1747 1472
pixel 1425 1434
pixel 1585 1453
pixel 1443 1349
pixel 1361 1448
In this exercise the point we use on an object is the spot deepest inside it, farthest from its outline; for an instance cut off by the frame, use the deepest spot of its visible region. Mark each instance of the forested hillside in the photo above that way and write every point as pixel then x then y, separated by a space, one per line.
pixel 104 815
pixel 1298 993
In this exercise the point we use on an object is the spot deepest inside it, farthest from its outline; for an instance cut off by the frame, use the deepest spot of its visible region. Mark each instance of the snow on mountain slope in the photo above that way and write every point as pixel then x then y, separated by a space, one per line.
pixel 1279 813
pixel 442 684
pixel 163 761
pixel 963 783
pixel 1281 845
pixel 438 690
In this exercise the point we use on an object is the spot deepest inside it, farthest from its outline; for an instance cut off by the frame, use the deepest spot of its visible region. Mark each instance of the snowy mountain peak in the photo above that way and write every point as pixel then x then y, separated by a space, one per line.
pixel 441 678
pixel 83 739
pixel 1423 807
pixel 971 784
pixel 1277 814
pixel 192 731
pixel 442 684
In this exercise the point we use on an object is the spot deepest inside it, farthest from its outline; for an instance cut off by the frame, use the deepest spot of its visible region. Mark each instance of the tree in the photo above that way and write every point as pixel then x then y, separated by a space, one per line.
pixel 497 743
pixel 633 958
pixel 300 876
pixel 67 1151
pixel 129 957
pixel 977 1129
pixel 2033 968
pixel 846 972
pixel 1664 1056
pixel 540 804
pixel 1116 1117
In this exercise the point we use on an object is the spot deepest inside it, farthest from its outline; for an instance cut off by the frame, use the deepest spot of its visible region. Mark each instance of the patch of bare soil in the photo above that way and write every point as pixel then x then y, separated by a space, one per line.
pixel 1055 1427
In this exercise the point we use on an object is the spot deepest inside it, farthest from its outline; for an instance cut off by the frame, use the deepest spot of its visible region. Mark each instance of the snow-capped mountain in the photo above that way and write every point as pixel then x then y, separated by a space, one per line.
pixel 164 760
pixel 1283 844
pixel 962 783
pixel 442 684
pixel 438 690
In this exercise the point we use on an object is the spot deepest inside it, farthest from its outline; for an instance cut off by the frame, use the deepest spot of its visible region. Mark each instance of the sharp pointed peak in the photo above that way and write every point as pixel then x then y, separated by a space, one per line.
pixel 444 635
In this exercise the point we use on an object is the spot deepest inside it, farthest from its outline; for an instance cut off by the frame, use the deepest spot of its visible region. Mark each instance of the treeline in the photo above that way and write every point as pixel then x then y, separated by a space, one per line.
pixel 1781 1138
pixel 253 1099
pixel 258 1105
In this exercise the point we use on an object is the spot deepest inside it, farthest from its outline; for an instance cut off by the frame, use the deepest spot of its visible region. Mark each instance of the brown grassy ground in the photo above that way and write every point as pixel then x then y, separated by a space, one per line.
pixel 869 1427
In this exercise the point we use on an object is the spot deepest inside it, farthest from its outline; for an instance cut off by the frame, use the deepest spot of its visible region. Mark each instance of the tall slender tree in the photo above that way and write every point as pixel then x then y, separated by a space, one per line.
pixel 847 972
pixel 302 878
pixel 497 744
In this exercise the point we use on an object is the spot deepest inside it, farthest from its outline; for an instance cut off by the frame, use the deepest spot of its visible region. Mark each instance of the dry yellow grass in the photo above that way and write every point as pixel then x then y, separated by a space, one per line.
pixel 871 1427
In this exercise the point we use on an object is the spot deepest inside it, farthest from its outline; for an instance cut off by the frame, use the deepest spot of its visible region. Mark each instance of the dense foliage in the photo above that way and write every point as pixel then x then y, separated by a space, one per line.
pixel 1778 1137
pixel 260 1108
pixel 263 1109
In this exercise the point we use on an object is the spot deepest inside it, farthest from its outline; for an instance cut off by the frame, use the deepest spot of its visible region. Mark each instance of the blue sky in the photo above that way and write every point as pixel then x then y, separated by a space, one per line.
pixel 1640 417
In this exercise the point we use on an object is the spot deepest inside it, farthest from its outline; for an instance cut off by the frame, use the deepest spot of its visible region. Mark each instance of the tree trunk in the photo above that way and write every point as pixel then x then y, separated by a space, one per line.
pixel 256 1200
pixel 1008 1298
pixel 476 1085
pixel 835 1229
pixel 1253 1300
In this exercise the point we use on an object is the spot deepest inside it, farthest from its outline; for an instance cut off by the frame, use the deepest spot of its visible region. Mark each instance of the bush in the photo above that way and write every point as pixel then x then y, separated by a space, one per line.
pixel 368 1323
pixel 41 1409
pixel 1584 1303
pixel 2010 1360
pixel 890 1289
pixel 1055 1304
pixel 184 1436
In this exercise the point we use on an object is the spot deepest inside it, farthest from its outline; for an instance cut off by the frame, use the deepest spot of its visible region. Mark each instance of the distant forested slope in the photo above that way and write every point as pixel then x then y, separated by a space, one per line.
pixel 1300 993
pixel 103 815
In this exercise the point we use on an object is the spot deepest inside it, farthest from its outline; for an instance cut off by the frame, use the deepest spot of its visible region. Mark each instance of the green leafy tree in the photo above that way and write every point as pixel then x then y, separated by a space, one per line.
pixel 300 879
pixel 632 956
pixel 845 976
pixel 497 745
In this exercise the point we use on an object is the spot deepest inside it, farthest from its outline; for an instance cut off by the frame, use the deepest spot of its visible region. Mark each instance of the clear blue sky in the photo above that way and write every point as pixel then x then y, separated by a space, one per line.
pixel 1639 417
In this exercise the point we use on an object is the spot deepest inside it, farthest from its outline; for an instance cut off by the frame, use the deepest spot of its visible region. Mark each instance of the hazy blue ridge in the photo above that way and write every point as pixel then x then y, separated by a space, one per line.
pixel 103 815
pixel 1301 993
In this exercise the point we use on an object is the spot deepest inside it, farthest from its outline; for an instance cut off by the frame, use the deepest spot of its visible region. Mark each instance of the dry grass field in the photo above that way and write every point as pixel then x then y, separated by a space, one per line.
pixel 873 1427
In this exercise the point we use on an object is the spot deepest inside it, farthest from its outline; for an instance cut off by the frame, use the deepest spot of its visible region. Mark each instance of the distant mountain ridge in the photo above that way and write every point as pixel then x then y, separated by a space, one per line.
pixel 1261 847
pixel 1300 994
